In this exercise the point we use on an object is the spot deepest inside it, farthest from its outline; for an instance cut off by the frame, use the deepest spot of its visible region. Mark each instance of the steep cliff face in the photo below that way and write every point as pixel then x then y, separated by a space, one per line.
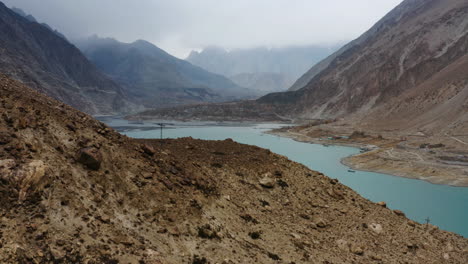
pixel 157 79
pixel 73 190
pixel 32 53
pixel 411 61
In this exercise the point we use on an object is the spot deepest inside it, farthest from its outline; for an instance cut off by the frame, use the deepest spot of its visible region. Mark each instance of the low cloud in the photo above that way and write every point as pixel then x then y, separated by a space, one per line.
pixel 181 25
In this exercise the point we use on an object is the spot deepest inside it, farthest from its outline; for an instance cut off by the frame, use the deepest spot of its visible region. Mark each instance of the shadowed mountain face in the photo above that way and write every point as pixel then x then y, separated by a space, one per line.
pixel 156 78
pixel 409 70
pixel 37 56
pixel 260 66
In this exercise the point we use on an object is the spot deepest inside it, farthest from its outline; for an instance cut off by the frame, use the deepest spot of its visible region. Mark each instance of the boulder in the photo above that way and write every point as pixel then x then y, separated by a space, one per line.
pixel 356 249
pixel 206 231
pixel 57 252
pixel 5 138
pixel 71 127
pixel 6 169
pixel 377 228
pixel 30 176
pixel 320 222
pixel 335 193
pixel 267 182
pixel 296 236
pixel 25 178
pixel 342 244
pixel 334 181
pixel 90 157
pixel 399 213
pixel 376 257
pixel 383 204
pixel 22 123
pixel 446 256
pixel 148 149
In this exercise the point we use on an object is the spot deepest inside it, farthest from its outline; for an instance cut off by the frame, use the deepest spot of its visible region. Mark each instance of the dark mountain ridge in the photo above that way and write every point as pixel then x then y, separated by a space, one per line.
pixel 32 53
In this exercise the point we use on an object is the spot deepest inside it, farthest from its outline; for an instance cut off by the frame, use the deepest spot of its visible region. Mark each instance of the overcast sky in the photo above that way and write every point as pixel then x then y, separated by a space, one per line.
pixel 179 26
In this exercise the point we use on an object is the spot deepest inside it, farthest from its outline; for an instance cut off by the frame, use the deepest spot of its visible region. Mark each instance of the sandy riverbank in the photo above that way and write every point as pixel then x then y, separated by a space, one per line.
pixel 397 157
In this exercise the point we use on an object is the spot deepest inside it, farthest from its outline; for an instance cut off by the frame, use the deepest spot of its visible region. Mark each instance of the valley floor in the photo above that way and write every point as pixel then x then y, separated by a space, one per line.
pixel 436 159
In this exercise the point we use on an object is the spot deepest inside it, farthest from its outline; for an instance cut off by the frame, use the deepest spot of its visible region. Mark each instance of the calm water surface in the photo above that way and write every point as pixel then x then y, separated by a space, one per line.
pixel 445 206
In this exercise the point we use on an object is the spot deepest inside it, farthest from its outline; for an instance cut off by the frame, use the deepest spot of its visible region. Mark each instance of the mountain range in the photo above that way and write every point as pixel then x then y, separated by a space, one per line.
pixel 407 73
pixel 156 78
pixel 107 76
pixel 265 69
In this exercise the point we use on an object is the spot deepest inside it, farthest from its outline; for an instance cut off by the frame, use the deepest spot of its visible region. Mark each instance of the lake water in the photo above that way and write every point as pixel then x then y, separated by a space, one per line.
pixel 445 206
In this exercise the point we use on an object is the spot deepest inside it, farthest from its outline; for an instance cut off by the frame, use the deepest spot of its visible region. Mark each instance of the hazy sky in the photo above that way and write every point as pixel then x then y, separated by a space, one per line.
pixel 179 26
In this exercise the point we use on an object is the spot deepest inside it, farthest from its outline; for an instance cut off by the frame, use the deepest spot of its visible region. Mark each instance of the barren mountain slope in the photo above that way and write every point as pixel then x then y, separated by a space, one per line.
pixel 400 56
pixel 74 191
pixel 32 53
pixel 438 104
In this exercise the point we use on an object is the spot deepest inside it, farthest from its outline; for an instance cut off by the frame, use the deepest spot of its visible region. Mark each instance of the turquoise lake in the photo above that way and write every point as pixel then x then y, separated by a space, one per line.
pixel 445 206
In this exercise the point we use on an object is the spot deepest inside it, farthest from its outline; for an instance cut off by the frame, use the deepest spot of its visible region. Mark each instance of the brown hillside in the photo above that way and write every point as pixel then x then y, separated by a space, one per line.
pixel 74 191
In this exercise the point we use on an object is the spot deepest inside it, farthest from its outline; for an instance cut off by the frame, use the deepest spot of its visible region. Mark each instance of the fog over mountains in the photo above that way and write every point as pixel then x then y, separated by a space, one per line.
pixel 262 68
pixel 155 78
pixel 106 76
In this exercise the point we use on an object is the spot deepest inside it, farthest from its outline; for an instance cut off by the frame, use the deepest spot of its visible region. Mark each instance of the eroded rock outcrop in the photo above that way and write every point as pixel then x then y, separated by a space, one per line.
pixel 90 157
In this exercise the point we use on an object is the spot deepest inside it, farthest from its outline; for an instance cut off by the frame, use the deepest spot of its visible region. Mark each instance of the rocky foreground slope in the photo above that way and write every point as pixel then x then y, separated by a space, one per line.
pixel 74 191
